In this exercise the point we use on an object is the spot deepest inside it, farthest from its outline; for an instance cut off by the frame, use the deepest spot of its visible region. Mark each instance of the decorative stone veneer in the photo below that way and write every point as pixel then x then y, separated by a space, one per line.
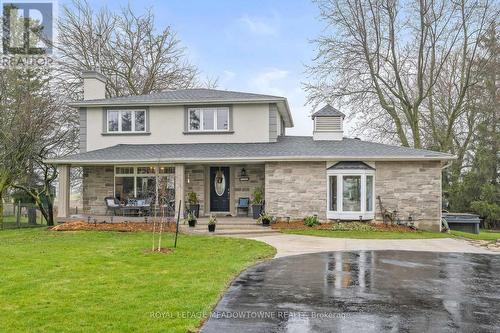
pixel 244 189
pixel 195 182
pixel 410 188
pixel 295 189
pixel 98 183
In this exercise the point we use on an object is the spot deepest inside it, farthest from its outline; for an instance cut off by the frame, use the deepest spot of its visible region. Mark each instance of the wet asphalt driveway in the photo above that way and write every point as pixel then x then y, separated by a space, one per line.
pixel 364 291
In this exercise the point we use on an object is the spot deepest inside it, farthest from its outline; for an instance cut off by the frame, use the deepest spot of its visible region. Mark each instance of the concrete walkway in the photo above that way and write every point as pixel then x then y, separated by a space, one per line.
pixel 289 245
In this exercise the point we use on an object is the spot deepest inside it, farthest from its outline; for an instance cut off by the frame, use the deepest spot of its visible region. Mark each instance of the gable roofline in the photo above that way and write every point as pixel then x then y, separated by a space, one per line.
pixel 327 111
pixel 350 165
pixel 199 96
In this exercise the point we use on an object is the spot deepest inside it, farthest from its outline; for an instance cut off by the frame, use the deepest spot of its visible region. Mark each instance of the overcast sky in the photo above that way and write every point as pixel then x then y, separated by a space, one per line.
pixel 253 46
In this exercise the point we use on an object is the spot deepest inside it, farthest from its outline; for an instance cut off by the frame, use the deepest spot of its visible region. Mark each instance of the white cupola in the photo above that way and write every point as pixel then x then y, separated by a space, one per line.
pixel 328 124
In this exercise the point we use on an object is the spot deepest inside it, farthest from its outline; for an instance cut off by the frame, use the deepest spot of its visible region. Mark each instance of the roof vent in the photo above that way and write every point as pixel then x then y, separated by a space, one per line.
pixel 328 124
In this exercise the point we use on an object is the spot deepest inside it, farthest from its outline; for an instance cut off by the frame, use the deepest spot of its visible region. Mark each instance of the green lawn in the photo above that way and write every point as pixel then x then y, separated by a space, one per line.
pixel 104 281
pixel 483 235
pixel 367 234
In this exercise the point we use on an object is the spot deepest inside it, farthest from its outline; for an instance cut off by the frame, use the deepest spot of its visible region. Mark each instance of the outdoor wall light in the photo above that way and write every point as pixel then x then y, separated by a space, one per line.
pixel 243 175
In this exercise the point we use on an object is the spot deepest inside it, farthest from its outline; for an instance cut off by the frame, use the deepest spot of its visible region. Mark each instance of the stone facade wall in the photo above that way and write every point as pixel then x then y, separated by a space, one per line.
pixel 195 182
pixel 97 183
pixel 295 189
pixel 198 183
pixel 410 188
pixel 244 189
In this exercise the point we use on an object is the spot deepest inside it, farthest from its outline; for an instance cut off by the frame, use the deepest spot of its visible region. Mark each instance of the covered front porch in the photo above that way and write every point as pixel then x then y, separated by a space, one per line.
pixel 145 190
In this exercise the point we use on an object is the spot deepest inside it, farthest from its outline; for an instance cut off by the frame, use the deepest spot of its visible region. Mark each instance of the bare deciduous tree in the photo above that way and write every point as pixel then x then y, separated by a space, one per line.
pixel 126 47
pixel 26 111
pixel 389 62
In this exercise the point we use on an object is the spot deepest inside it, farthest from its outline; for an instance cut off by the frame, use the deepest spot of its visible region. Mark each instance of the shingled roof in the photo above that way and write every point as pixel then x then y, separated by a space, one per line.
pixel 328 111
pixel 182 96
pixel 300 148
pixel 191 97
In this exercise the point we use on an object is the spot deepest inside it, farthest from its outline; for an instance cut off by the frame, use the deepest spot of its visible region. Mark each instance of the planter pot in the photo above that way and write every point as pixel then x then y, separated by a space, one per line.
pixel 256 211
pixel 266 222
pixel 211 227
pixel 194 209
pixel 192 223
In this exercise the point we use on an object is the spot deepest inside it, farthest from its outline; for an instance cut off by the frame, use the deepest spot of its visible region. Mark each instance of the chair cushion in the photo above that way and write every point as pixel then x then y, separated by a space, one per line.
pixel 111 202
pixel 243 202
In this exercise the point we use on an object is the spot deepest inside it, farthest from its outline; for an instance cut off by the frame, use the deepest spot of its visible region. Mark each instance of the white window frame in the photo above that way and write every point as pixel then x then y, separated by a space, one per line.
pixel 120 120
pixel 202 111
pixel 135 175
pixel 340 214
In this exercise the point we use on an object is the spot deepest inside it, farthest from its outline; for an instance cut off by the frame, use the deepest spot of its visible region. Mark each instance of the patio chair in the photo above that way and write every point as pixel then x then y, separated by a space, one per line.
pixel 243 204
pixel 113 205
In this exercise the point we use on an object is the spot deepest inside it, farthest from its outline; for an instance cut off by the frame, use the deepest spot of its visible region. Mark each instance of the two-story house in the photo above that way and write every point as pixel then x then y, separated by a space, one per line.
pixel 223 144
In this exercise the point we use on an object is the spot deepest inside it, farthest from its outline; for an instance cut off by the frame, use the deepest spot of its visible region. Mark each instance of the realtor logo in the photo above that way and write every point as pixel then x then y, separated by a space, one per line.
pixel 27 28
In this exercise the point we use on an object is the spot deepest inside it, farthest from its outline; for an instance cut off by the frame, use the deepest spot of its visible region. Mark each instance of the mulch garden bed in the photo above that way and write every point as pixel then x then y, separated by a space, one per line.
pixel 329 226
pixel 124 227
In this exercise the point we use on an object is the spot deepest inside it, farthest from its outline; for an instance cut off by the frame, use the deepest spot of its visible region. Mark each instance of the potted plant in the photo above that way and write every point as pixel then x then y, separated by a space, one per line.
pixel 191 219
pixel 193 204
pixel 257 202
pixel 266 219
pixel 212 221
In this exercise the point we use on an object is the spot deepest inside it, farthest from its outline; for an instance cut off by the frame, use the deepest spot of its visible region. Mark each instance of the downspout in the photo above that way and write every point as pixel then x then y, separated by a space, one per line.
pixel 444 223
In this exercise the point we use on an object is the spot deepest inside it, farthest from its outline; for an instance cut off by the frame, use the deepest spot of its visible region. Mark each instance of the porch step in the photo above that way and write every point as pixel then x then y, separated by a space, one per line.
pixel 228 225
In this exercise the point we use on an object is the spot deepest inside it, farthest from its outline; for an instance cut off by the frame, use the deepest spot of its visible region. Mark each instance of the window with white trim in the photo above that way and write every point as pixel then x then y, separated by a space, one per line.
pixel 212 119
pixel 351 192
pixel 144 182
pixel 125 121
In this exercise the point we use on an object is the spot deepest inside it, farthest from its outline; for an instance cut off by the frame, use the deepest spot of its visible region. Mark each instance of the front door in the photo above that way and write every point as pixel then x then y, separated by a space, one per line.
pixel 219 189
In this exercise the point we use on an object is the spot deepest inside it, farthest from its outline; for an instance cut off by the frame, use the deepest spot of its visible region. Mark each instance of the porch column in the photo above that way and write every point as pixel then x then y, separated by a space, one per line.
pixel 179 188
pixel 63 194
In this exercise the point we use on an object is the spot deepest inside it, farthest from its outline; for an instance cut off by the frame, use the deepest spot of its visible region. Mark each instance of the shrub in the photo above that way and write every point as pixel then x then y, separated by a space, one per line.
pixel 257 196
pixel 212 220
pixel 267 217
pixel 190 217
pixel 352 226
pixel 192 198
pixel 311 221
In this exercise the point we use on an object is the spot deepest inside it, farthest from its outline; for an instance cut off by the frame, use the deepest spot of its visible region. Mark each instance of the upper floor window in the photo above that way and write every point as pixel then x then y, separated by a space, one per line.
pixel 208 119
pixel 126 120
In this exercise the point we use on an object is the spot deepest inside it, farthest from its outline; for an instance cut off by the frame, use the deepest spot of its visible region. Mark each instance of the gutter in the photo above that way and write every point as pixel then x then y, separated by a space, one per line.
pixel 250 160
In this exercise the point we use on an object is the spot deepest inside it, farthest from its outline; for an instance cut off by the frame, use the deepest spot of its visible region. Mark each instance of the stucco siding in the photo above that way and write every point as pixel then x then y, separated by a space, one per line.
pixel 250 124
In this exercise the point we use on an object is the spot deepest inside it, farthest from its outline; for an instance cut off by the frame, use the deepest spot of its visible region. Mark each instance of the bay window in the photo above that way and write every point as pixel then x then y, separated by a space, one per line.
pixel 125 121
pixel 350 191
pixel 208 119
